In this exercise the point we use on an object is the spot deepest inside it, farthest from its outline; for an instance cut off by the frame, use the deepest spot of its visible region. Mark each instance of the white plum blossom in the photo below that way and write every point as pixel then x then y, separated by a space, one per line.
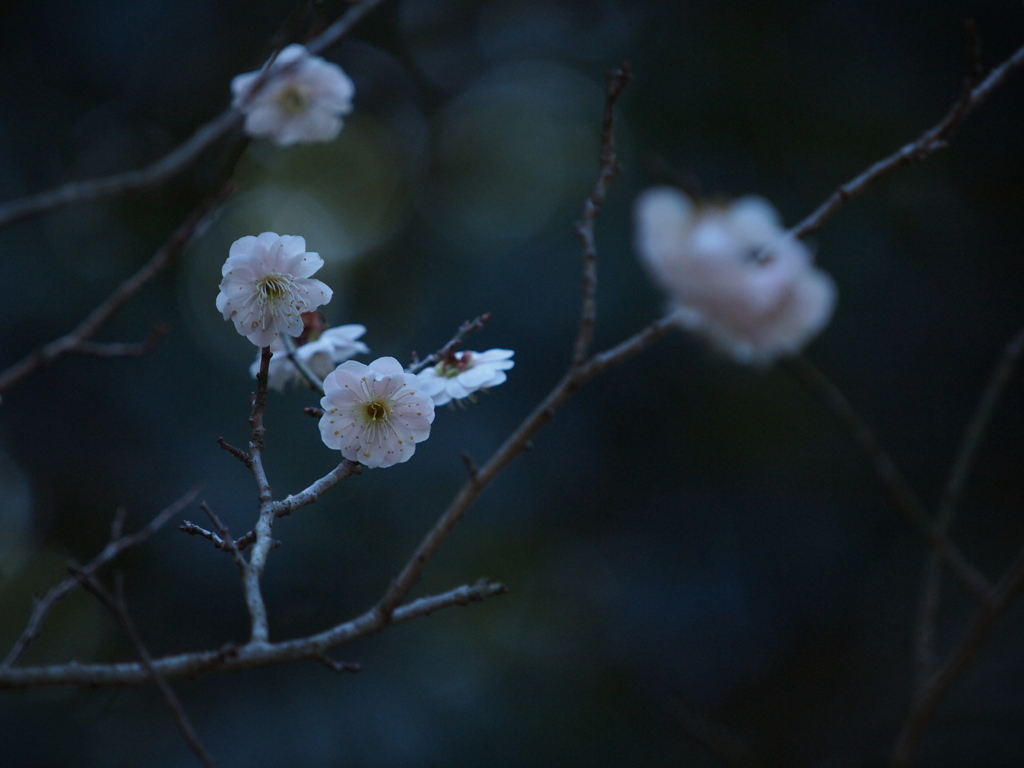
pixel 374 414
pixel 267 286
pixel 320 356
pixel 303 104
pixel 463 373
pixel 733 273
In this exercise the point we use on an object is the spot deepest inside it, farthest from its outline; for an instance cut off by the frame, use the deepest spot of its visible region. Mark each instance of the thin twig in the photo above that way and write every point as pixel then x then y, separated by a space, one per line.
pixel 929 696
pixel 468 327
pixel 312 381
pixel 931 583
pixel 515 444
pixel 117 605
pixel 238 453
pixel 312 494
pixel 295 501
pixel 925 654
pixel 337 666
pixel 114 547
pixel 131 349
pixel 618 80
pixel 190 528
pixel 977 428
pixel 925 145
pixel 579 372
pixel 83 333
pixel 903 496
pixel 174 162
pixel 249 656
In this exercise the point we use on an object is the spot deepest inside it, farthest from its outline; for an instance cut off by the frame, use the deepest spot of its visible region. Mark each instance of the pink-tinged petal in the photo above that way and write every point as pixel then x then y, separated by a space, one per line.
pixel 495 356
pixel 733 273
pixel 475 378
pixel 295 246
pixel 303 264
pixel 241 247
pixel 387 365
pixel 326 94
pixel 263 299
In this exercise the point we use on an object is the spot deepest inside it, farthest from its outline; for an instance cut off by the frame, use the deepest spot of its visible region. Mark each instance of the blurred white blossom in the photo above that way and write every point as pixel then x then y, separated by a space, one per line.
pixel 374 414
pixel 463 373
pixel 320 356
pixel 733 273
pixel 267 286
pixel 303 104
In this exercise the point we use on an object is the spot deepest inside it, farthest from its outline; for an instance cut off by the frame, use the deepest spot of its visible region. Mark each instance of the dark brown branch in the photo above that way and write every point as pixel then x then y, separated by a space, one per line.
pixel 978 427
pixel 84 332
pixel 618 80
pixel 468 327
pixel 117 605
pixel 925 145
pixel 902 495
pixel 931 584
pixel 579 372
pixel 129 349
pixel 171 164
pixel 238 453
pixel 150 177
pixel 337 666
pixel 114 547
pixel 515 444
pixel 929 696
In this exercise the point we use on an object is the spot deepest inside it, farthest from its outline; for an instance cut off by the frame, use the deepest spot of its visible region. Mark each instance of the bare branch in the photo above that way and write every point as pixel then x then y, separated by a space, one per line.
pixel 929 696
pixel 252 571
pixel 132 349
pixel 238 453
pixel 618 80
pixel 83 333
pixel 929 601
pixel 114 548
pixel 902 495
pixel 468 327
pixel 119 608
pixel 248 656
pixel 515 444
pixel 978 427
pixel 925 145
pixel 171 164
pixel 150 177
pixel 580 371
pixel 192 529
pixel 312 494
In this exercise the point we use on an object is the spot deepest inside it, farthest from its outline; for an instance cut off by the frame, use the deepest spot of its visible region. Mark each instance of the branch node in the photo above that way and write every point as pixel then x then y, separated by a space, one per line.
pixel 238 453
pixel 471 466
pixel 337 666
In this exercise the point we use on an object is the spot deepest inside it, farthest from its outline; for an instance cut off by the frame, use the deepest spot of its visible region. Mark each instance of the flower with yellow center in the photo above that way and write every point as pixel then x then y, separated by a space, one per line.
pixel 301 99
pixel 267 286
pixel 374 414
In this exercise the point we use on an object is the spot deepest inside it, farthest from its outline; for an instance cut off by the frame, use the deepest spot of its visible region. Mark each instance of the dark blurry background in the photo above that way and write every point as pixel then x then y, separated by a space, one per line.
pixel 687 532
